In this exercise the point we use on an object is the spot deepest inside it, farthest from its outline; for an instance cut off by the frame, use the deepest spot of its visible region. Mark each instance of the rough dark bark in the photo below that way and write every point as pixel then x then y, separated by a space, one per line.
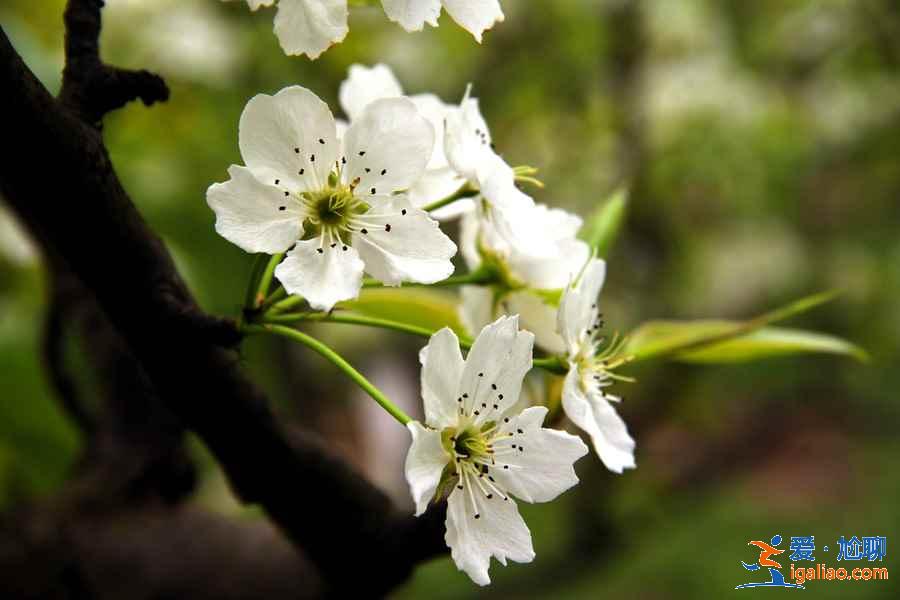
pixel 56 174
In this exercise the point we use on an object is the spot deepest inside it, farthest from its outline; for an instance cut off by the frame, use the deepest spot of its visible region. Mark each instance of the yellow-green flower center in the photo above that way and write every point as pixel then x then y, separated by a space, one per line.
pixel 332 207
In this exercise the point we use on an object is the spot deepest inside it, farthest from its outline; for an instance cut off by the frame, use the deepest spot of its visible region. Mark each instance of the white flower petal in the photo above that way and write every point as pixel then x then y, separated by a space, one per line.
pixel 537 316
pixel 499 531
pixel 474 15
pixel 403 243
pixel 477 307
pixel 254 215
pixel 310 26
pixel 515 217
pixel 470 227
pixel 542 467
pixel 412 15
pixel 341 126
pixel 364 85
pixel 595 415
pixel 435 111
pixel 323 278
pixel 552 272
pixel 578 306
pixel 437 184
pixel 388 146
pixel 442 366
pixel 255 4
pixel 424 464
pixel 279 136
pixel 495 367
pixel 467 140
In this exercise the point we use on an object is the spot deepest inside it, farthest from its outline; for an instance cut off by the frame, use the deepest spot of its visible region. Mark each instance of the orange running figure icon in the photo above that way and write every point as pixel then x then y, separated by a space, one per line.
pixel 767 551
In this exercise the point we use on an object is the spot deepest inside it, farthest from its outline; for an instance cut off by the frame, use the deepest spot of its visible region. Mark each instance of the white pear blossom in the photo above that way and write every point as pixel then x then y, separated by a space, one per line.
pixel 475 16
pixel 475 444
pixel 500 204
pixel 365 85
pixel 583 398
pixel 312 26
pixel 308 27
pixel 335 203
pixel 533 284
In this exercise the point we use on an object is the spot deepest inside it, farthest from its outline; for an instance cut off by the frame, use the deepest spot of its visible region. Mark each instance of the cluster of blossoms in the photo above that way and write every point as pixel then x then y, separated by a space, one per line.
pixel 311 26
pixel 341 199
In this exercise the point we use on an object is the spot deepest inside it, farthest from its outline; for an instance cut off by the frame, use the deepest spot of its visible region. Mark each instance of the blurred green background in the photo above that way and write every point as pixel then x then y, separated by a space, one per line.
pixel 761 142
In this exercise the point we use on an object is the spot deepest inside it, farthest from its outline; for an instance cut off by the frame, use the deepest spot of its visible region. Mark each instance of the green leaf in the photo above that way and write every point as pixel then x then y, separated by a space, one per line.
pixel 655 339
pixel 772 341
pixel 602 228
pixel 431 309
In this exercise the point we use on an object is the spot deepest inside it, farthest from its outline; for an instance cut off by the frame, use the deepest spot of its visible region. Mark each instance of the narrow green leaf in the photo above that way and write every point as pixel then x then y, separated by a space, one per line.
pixel 769 342
pixel 430 309
pixel 655 339
pixel 602 228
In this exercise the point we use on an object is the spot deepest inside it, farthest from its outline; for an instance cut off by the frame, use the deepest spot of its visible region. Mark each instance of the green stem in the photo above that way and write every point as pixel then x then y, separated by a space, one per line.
pixel 356 320
pixel 274 297
pixel 552 364
pixel 480 276
pixel 266 280
pixel 286 304
pixel 337 360
pixel 259 266
pixel 463 192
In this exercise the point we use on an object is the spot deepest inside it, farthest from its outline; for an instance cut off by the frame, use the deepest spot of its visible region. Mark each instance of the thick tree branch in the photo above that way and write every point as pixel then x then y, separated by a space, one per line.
pixel 91 88
pixel 57 175
pixel 146 553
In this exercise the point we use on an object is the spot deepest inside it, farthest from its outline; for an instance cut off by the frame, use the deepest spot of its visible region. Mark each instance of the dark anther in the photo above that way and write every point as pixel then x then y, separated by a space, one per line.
pixel 477 413
pixel 458 400
pixel 459 487
pixel 368 170
pixel 282 207
pixel 506 419
pixel 333 244
pixel 343 160
pixel 387 226
pixel 493 386
pixel 277 181
pixel 362 152
pixel 344 248
pixel 372 190
pixel 481 374
pixel 301 171
pixel 403 212
pixel 296 150
pixel 320 251
pixel 477 516
pixel 465 395
pixel 500 396
pixel 384 171
pixel 520 431
pixel 496 406
pixel 312 158
pixel 484 405
pixel 364 231
pixel 321 141
pixel 287 193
